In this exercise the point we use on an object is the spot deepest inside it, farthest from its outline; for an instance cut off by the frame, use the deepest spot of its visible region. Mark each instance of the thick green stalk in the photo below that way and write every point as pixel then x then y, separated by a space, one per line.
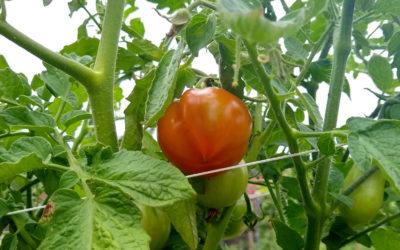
pixel 309 204
pixel 101 96
pixel 216 230
pixel 342 48
pixel 73 68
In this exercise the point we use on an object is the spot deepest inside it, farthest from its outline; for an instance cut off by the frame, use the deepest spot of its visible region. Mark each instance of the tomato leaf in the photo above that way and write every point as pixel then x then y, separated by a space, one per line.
pixel 381 73
pixel 295 48
pixel 162 89
pixel 171 4
pixel 335 180
pixel 12 85
pixel 134 113
pixel 68 179
pixel 296 216
pixel 22 117
pixel 326 144
pixel 3 62
pixel 186 78
pixel 342 198
pixel 200 31
pixel 283 233
pixel 10 241
pixel 376 140
pixel 145 48
pixel 108 219
pixel 313 110
pixel 246 18
pixel 75 5
pixel 26 154
pixel 385 238
pixel 57 81
pixel 394 44
pixel 73 116
pixel 31 100
pixel 388 6
pixel 183 216
pixel 147 180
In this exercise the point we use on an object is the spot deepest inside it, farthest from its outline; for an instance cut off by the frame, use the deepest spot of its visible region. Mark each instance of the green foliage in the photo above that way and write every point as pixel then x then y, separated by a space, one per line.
pixel 106 220
pixel 200 31
pixel 52 150
pixel 163 85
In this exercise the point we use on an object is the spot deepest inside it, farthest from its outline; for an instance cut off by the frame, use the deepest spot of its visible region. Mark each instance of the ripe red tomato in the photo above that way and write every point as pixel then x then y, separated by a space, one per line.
pixel 224 189
pixel 206 129
pixel 367 198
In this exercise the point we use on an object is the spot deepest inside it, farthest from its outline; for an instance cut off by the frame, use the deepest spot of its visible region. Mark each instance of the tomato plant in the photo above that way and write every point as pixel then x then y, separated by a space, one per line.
pixel 367 198
pixel 224 189
pixel 80 155
pixel 206 129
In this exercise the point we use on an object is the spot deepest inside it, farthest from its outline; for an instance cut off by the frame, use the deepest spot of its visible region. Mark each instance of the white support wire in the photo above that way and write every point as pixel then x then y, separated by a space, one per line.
pixel 26 210
pixel 206 173
pixel 252 163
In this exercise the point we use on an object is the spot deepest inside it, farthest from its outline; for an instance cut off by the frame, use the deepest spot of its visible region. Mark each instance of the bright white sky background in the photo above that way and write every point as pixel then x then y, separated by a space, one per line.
pixel 52 27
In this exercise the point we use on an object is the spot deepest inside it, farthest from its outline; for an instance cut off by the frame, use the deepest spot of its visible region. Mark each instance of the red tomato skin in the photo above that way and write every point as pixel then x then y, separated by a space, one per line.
pixel 206 129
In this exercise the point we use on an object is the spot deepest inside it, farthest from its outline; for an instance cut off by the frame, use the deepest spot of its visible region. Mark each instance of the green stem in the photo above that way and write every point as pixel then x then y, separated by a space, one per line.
pixel 216 230
pixel 259 141
pixel 257 118
pixel 60 110
pixel 342 48
pixel 235 81
pixel 58 167
pixel 252 99
pixel 101 96
pixel 259 183
pixel 29 185
pixel 315 162
pixel 309 203
pixel 3 13
pixel 336 133
pixel 314 51
pixel 197 3
pixel 367 230
pixel 20 220
pixel 90 15
pixel 276 201
pixel 284 6
pixel 73 165
pixel 14 134
pixel 75 69
pixel 279 198
pixel 11 102
pixel 81 136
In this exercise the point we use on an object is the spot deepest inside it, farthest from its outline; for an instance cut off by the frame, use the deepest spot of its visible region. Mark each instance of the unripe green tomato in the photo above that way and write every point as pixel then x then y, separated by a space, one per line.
pixel 236 225
pixel 367 198
pixel 224 189
pixel 157 225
